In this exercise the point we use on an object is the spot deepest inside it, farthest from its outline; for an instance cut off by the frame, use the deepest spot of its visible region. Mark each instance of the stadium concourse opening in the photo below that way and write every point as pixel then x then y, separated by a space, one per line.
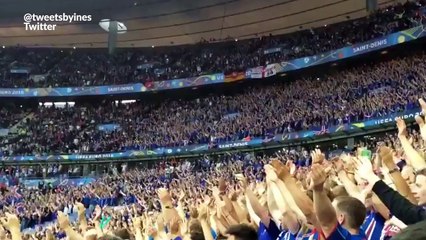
pixel 212 119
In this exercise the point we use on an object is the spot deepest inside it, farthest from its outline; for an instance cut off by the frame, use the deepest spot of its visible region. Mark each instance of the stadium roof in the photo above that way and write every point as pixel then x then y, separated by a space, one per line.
pixel 172 22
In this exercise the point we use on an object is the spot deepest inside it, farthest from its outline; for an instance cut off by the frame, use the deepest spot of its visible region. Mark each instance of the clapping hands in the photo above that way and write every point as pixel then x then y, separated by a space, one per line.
pixel 281 169
pixel 270 173
pixel 386 155
pixel 202 211
pixel 137 223
pixel 80 208
pixel 11 222
pixel 317 156
pixel 364 170
pixel 242 180
pixel 63 220
pixel 318 176
pixel 420 121
pixel 363 166
pixel 402 127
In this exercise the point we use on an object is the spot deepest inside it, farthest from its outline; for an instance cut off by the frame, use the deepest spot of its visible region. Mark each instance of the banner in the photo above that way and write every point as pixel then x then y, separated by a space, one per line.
pixel 108 127
pixel 253 142
pixel 188 82
pixel 350 127
pixel 355 50
pixel 256 72
pixel 235 76
pixel 272 69
pixel 272 50
pixel 113 89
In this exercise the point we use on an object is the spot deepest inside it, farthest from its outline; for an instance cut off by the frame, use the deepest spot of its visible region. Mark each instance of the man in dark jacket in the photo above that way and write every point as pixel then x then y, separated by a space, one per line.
pixel 397 204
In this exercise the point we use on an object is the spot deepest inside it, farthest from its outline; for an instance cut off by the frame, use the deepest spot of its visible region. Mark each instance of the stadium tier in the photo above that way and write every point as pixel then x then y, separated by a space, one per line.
pixel 30 68
pixel 259 112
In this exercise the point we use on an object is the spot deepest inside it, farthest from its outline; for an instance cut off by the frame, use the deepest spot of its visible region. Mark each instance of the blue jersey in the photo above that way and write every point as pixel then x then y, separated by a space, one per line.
pixel 312 235
pixel 281 235
pixel 341 233
pixel 268 233
pixel 373 225
pixel 214 234
pixel 262 233
pixel 303 233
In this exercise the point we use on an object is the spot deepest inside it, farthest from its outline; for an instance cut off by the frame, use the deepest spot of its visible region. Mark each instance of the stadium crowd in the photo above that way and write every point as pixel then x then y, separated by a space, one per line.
pixel 352 95
pixel 61 68
pixel 378 190
pixel 374 191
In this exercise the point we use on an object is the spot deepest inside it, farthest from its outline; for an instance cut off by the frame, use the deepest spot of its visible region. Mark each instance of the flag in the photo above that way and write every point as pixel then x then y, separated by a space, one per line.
pixel 268 139
pixel 324 130
pixel 247 139
pixel 20 207
pixel 15 193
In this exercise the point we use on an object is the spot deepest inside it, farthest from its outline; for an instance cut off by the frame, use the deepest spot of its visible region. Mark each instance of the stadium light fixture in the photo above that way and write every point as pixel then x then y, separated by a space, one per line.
pixel 121 28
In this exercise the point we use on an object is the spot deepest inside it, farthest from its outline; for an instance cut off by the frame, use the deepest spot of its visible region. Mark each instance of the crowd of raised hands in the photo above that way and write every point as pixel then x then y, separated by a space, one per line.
pixel 90 67
pixel 370 193
pixel 354 95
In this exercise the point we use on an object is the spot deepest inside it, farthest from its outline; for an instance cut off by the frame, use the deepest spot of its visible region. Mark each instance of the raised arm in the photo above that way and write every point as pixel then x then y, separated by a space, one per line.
pixel 179 207
pixel 202 216
pixel 259 210
pixel 251 212
pixel 380 207
pixel 398 205
pixel 239 210
pixel 284 198
pixel 288 186
pixel 350 186
pixel 64 224
pixel 167 209
pixel 412 155
pixel 137 225
pixel 11 223
pixel 400 184
pixel 420 120
pixel 82 222
pixel 325 212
